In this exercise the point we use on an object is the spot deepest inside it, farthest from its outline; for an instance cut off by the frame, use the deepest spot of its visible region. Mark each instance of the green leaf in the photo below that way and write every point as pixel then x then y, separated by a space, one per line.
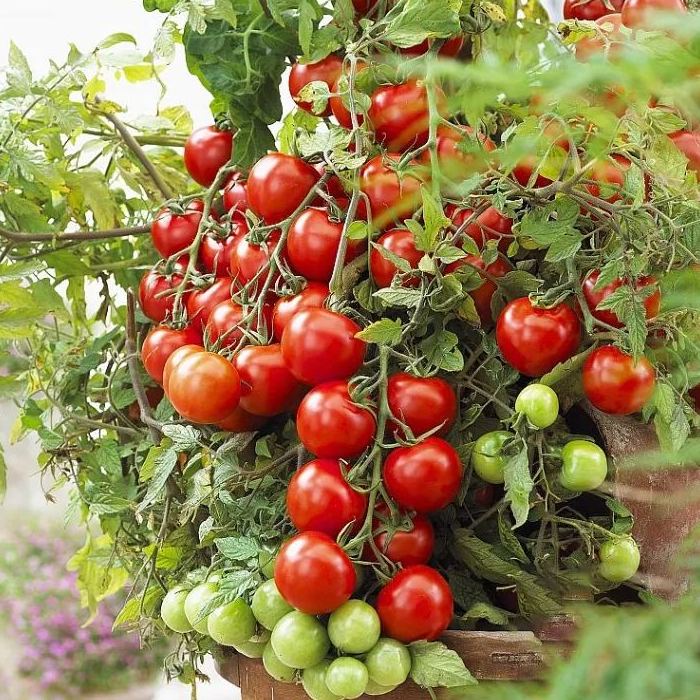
pixel 383 332
pixel 548 223
pixel 433 665
pixel 19 74
pixel 509 540
pixel 564 247
pixel 401 296
pixel 485 611
pixel 413 21
pixel 519 484
pixel 118 38
pixel 130 614
pixel 440 350
pixel 671 423
pixel 237 548
pixel 184 437
pixel 435 221
pixel 163 466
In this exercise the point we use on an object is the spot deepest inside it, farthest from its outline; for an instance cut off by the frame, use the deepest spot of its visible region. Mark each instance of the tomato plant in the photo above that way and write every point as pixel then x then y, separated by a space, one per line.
pixel 173 232
pixel 207 150
pixel 302 74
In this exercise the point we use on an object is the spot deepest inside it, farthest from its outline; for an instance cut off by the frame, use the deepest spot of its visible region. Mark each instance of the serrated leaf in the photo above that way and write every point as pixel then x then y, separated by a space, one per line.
pixel 184 437
pixel 519 484
pixel 383 332
pixel 413 21
pixel 163 466
pixel 237 548
pixel 485 611
pixel 434 220
pixel 433 665
pixel 401 296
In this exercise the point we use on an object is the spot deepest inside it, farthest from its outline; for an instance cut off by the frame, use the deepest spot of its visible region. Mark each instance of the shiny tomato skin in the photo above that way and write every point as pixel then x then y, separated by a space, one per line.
pixel 401 242
pixel 319 346
pixel 640 14
pixel 489 225
pixel 312 245
pixel 215 252
pixel 688 143
pixel 327 71
pixel 614 383
pixel 204 387
pixel 277 184
pixel 589 10
pixel 235 196
pixel 611 24
pixel 607 174
pixel 160 343
pixel 334 187
pixel 313 296
pixel 250 261
pixel 422 403
pixel 391 195
pixel 450 48
pixel 331 425
pixel 535 340
pixel 207 150
pixel 338 108
pixel 157 295
pixel 424 477
pixel 482 295
pixel 223 327
pixel 240 421
pixel 407 548
pixel 268 387
pixel 523 171
pixel 594 296
pixel 319 498
pixel 314 574
pixel 202 302
pixel 417 604
pixel 175 358
pixel 399 115
pixel 173 233
pixel 455 163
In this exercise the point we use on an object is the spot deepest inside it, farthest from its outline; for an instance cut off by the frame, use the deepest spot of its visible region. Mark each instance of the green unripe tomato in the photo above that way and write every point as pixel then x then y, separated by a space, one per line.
pixel 376 689
pixel 198 599
pixel 254 648
pixel 275 667
pixel 354 628
pixel 619 559
pixel 172 610
pixel 300 641
pixel 347 678
pixel 231 624
pixel 388 662
pixel 150 5
pixel 539 403
pixel 268 605
pixel 584 466
pixel 487 460
pixel 313 681
pixel 266 562
pixel 166 5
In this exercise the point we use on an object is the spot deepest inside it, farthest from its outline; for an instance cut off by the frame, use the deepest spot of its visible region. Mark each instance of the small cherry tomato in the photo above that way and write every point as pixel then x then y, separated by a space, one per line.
pixel 225 328
pixel 314 574
pixel 584 466
pixel 173 232
pixel 424 477
pixel 299 640
pixel 157 294
pixel 313 296
pixel 619 559
pixel 319 498
pixel 215 251
pixel 275 668
pixel 539 403
pixel 320 345
pixel 609 178
pixel 641 14
pixel 202 302
pixel 388 662
pixel 400 242
pixel 614 383
pixel 611 26
pixel 488 460
pixel 176 357
pixel 535 340
pixel 460 152
pixel 416 604
pixel 594 297
pixel 172 610
pixel 449 49
pixel 422 403
pixel 405 547
pixel 268 605
pixel 240 421
pixel 341 89
pixel 207 151
pixel 232 623
pixel 330 424
pixel 251 260
pixel 236 196
pixel 326 71
pixel 590 9
pixel 354 628
pixel 688 143
pixel 347 677
pixel 160 343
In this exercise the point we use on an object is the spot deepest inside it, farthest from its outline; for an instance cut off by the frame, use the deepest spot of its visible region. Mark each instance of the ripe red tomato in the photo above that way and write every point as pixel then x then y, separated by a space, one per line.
pixel 240 421
pixel 522 172
pixel 401 242
pixel 207 151
pixel 391 195
pixel 614 383
pixel 330 424
pixel 595 296
pixel 215 252
pixel 173 232
pixel 489 225
pixel 450 49
pixel 688 143
pixel 157 294
pixel 609 174
pixel 251 261
pixel 589 9
pixel 176 357
pixel 320 345
pixel 362 7
pixel 421 403
pixel 313 296
pixel 456 163
pixel 407 548
pixel 314 574
pixel 278 184
pixel 640 14
pixel 534 340
pixel 203 301
pixel 224 328
pixel 235 195
pixel 326 71
pixel 267 386
pixel 319 498
pixel 611 25
pixel 160 343
pixel 340 111
pixel 416 604
pixel 482 295
pixel 334 187
pixel 203 387
pixel 312 245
